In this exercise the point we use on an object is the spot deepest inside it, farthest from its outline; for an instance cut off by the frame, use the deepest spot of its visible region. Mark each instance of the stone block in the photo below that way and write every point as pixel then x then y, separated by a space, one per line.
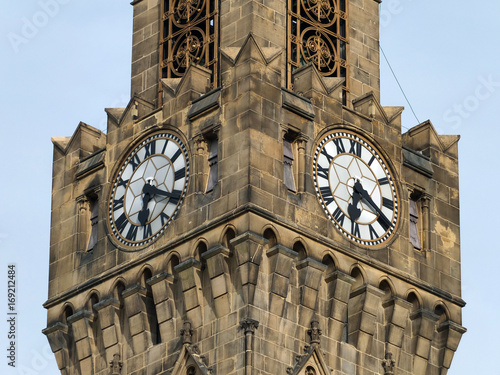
pixel 164 310
pixel 137 323
pixel 219 286
pixel 83 348
pixel 141 342
pixel 109 336
pixel 191 298
pixel 280 285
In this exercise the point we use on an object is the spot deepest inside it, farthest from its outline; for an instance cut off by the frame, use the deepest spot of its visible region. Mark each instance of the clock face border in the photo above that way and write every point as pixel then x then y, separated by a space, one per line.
pixel 380 182
pixel 136 162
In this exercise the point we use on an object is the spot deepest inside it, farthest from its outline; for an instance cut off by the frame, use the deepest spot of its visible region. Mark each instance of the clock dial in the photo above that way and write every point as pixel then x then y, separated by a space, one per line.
pixel 148 190
pixel 356 189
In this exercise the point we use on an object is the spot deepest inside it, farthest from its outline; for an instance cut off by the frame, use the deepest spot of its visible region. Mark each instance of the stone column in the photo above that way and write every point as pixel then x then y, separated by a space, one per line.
pixel 280 267
pixel 248 250
pixel 200 163
pixel 108 311
pixel 453 333
pixel 363 305
pixel 134 299
pixel 161 285
pixel 339 290
pixel 249 326
pixel 190 278
pixel 84 339
pixel 218 271
pixel 398 311
pixel 57 334
pixel 423 322
pixel 310 272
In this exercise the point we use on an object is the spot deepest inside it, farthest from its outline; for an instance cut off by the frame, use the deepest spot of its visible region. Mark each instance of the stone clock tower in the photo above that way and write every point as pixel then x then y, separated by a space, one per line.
pixel 254 210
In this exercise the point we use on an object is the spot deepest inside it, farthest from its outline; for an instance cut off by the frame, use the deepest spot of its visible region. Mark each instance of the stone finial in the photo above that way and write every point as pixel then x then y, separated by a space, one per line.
pixel 314 332
pixel 388 363
pixel 187 334
pixel 116 365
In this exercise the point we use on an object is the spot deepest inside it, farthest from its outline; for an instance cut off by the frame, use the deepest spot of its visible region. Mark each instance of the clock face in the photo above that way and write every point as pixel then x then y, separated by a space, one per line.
pixel 148 190
pixel 356 189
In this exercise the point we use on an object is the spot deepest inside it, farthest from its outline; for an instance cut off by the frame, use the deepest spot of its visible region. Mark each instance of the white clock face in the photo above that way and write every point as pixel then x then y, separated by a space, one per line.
pixel 148 190
pixel 355 188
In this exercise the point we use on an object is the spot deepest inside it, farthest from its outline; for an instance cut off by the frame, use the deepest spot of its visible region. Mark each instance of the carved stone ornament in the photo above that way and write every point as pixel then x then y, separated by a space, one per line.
pixel 315 332
pixel 116 365
pixel 187 334
pixel 388 364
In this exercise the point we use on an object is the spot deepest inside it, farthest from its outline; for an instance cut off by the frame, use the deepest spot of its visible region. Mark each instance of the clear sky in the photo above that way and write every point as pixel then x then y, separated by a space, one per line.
pixel 64 61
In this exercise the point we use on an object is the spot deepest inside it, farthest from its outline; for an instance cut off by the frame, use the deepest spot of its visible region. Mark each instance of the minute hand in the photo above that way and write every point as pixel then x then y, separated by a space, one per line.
pixel 382 219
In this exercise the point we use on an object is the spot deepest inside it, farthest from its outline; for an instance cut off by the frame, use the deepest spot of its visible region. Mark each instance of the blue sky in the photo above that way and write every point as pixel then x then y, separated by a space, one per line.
pixel 64 61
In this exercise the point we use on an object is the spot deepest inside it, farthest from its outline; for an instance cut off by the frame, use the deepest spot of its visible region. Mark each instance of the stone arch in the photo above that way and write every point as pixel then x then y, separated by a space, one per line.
pixel 172 261
pixel 119 285
pixel 66 311
pixel 271 235
pixel 330 262
pixel 359 275
pixel 228 234
pixel 387 287
pixel 140 278
pixel 442 312
pixel 300 248
pixel 414 298
pixel 200 247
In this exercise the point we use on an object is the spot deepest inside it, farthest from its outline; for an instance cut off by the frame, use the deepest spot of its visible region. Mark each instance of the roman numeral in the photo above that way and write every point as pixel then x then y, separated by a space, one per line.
pixel 180 174
pixel 371 160
pixel 148 231
pixel 164 218
pixel 122 182
pixel 176 155
pixel 326 193
pixel 135 161
pixel 121 222
pixel 340 145
pixel 388 203
pixel 323 172
pixel 355 229
pixel 373 234
pixel 327 155
pixel 339 216
pixel 355 148
pixel 117 204
pixel 150 148
pixel 132 233
pixel 164 146
pixel 383 181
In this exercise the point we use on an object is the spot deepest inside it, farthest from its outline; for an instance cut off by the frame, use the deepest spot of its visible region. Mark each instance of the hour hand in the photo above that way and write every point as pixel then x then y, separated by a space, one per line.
pixel 144 213
pixel 153 190
pixel 353 209
pixel 382 219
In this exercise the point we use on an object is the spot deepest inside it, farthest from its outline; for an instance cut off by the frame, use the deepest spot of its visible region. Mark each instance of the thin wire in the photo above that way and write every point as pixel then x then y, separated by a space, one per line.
pixel 396 78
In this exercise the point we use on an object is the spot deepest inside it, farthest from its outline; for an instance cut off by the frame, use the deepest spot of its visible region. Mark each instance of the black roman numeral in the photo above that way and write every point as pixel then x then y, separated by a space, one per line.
pixel 383 181
pixel 117 204
pixel 340 145
pixel 384 223
pixel 355 148
pixel 180 174
pixel 326 193
pixel 164 218
pixel 388 203
pixel 373 234
pixel 148 231
pixel 339 216
pixel 327 155
pixel 150 149
pixel 122 182
pixel 371 160
pixel 121 222
pixel 322 172
pixel 164 146
pixel 132 233
pixel 176 155
pixel 135 161
pixel 355 229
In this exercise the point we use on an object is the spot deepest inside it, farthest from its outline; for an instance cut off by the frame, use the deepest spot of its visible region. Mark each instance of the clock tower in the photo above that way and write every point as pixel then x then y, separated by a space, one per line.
pixel 254 209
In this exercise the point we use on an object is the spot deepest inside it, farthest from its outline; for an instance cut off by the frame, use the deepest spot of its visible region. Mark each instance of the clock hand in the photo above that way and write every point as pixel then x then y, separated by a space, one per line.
pixel 152 190
pixel 353 209
pixel 144 213
pixel 382 219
